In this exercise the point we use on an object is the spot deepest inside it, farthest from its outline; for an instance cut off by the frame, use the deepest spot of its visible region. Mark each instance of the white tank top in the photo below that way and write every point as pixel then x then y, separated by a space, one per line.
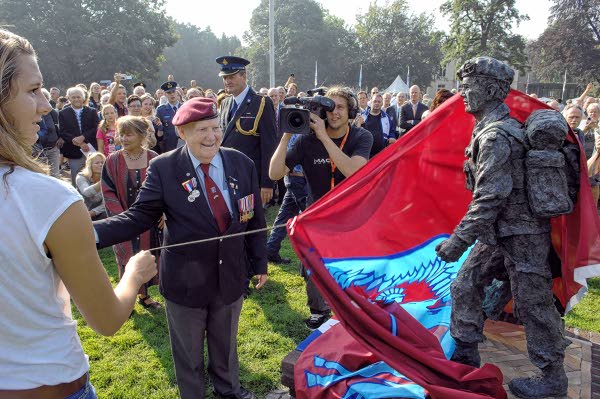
pixel 39 344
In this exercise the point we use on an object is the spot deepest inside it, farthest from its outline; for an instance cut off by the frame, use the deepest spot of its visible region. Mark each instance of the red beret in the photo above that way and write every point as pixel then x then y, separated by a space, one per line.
pixel 196 109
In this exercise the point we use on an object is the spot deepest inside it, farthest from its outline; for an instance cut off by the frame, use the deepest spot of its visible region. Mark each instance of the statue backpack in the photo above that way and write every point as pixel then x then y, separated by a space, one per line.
pixel 551 164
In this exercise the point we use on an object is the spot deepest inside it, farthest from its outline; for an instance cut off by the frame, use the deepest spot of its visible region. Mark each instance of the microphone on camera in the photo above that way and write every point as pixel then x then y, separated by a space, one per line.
pixel 292 100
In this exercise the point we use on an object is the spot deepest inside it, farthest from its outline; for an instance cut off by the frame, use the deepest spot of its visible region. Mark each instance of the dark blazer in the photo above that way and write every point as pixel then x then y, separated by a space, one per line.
pixel 392 112
pixel 68 129
pixel 406 114
pixel 51 122
pixel 169 140
pixel 193 275
pixel 258 144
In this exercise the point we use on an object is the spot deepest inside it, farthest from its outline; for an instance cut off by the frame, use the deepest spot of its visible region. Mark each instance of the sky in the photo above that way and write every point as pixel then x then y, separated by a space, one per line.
pixel 234 19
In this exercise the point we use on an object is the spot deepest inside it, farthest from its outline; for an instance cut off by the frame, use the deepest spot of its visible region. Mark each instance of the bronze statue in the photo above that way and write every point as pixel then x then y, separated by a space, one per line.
pixel 508 169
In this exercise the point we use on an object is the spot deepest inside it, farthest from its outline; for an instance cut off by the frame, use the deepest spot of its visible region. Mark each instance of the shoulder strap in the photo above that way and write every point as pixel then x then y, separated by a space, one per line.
pixel 253 131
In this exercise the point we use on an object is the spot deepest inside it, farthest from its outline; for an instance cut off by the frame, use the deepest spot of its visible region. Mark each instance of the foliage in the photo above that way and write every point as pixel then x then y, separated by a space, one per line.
pixel 193 56
pixel 571 42
pixel 84 41
pixel 484 28
pixel 386 41
pixel 565 46
pixel 304 34
pixel 586 11
pixel 391 41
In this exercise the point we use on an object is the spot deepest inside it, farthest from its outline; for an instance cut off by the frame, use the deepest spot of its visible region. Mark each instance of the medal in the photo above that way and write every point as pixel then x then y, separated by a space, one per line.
pixel 190 187
pixel 246 207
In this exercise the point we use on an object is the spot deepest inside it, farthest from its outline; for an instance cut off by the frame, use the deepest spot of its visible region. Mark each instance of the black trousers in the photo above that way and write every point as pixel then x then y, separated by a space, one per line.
pixel 187 329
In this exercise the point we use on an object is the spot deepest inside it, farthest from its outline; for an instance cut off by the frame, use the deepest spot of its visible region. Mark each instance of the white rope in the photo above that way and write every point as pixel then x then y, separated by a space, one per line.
pixel 243 233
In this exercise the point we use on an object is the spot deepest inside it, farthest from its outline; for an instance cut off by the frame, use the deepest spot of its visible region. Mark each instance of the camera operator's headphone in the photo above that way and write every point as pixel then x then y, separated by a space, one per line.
pixel 352 105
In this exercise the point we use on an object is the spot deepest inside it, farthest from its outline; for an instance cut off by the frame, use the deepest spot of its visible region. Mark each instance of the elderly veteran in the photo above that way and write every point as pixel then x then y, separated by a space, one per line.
pixel 206 192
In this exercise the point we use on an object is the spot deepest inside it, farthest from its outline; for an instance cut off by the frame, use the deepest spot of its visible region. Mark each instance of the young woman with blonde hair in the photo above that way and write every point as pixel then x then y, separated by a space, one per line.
pixel 148 112
pixel 47 252
pixel 107 129
pixel 94 96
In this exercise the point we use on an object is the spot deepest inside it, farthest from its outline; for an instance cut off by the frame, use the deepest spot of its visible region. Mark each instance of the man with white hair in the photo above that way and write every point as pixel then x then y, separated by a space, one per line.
pixel 281 91
pixel 139 89
pixel 412 112
pixel 77 127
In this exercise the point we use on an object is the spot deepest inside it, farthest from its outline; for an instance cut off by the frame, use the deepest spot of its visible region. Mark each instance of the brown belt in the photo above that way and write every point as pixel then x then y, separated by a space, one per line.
pixel 59 391
pixel 297 174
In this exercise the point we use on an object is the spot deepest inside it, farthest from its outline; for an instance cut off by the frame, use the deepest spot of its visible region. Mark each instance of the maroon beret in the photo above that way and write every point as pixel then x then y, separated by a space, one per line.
pixel 196 109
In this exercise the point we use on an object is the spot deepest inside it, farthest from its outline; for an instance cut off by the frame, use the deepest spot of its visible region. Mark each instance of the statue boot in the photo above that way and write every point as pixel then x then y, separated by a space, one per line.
pixel 467 353
pixel 552 381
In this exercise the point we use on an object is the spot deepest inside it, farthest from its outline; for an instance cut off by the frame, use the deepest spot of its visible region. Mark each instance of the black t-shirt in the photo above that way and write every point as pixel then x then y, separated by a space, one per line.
pixel 309 152
pixel 373 125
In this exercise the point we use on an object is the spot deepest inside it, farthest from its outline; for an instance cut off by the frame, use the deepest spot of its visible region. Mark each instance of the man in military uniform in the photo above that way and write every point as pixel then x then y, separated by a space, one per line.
pixel 512 243
pixel 248 121
pixel 166 113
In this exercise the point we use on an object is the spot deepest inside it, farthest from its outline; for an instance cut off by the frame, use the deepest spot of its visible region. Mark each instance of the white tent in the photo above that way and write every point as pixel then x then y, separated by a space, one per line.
pixel 397 86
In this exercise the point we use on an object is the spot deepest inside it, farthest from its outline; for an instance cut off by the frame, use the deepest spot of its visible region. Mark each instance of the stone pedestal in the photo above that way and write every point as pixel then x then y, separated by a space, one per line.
pixel 287 371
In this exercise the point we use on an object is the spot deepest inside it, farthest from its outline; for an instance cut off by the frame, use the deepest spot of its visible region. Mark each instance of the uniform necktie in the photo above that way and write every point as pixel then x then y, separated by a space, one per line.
pixel 234 108
pixel 174 108
pixel 216 201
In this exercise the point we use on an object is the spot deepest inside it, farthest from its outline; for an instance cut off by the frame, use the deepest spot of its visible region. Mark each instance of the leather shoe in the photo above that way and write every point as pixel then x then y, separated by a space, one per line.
pixel 278 259
pixel 242 394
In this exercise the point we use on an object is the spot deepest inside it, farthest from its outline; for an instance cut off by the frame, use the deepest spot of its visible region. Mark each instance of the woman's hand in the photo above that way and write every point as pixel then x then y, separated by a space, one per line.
pixel 143 266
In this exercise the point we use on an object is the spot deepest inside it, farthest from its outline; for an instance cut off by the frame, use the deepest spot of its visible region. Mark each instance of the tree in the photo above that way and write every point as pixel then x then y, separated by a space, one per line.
pixel 84 41
pixel 193 56
pixel 586 11
pixel 570 42
pixel 484 28
pixel 304 33
pixel 391 41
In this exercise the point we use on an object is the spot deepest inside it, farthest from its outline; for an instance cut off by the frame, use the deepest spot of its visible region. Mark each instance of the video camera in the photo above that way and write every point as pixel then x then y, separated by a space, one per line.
pixel 295 117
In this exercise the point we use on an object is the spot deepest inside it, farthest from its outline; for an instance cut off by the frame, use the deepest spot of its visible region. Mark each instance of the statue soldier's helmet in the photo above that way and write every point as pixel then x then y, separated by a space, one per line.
pixel 486 67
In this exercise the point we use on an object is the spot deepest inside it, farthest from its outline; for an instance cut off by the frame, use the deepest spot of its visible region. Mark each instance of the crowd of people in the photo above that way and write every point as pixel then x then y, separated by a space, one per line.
pixel 179 165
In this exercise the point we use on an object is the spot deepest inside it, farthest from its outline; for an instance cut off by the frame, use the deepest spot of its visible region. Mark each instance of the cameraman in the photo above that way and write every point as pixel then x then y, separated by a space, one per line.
pixel 335 151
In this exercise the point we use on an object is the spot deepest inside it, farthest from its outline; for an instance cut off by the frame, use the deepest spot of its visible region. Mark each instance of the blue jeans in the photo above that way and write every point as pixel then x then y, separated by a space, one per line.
pixel 86 392
pixel 294 202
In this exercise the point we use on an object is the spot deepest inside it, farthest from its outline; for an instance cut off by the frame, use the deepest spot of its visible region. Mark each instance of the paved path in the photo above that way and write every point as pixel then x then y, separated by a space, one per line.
pixel 506 348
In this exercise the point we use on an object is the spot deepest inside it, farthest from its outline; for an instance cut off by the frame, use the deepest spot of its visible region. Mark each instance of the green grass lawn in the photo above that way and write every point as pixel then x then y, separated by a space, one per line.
pixel 136 362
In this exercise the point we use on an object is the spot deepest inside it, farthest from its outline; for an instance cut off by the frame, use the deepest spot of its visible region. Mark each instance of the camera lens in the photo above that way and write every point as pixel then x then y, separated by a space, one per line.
pixel 296 120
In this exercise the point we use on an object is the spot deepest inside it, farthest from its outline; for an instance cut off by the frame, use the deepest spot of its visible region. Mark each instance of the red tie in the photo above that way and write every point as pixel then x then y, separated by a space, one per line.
pixel 216 201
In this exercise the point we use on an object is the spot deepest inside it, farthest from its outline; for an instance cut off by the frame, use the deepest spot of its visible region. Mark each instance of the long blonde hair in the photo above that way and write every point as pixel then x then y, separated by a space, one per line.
pixel 87 169
pixel 104 123
pixel 14 148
